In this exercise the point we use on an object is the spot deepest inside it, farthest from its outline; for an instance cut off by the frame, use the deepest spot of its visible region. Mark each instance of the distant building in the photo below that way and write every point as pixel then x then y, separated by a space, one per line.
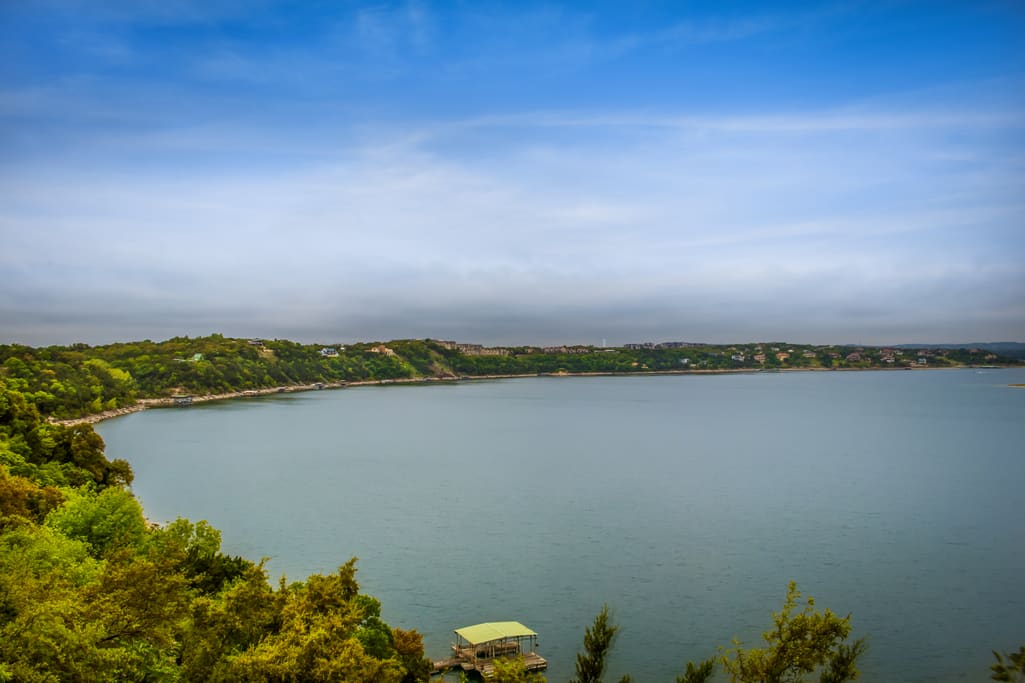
pixel 480 350
pixel 565 349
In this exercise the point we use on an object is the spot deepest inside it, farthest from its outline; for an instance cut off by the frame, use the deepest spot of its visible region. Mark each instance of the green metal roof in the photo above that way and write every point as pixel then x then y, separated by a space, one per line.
pixel 496 630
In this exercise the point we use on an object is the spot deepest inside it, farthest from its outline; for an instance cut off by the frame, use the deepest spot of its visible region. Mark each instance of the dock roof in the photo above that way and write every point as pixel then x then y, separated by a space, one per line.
pixel 495 630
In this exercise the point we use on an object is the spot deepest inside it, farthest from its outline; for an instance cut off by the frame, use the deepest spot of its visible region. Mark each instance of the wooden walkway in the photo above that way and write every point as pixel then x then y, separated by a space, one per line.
pixel 485 667
pixel 443 665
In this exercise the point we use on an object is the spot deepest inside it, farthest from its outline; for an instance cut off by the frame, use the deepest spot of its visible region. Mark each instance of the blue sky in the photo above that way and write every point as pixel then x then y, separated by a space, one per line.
pixel 512 172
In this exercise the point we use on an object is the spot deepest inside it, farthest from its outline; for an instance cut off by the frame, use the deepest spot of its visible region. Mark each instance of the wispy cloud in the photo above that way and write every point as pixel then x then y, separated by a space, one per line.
pixel 389 168
pixel 643 222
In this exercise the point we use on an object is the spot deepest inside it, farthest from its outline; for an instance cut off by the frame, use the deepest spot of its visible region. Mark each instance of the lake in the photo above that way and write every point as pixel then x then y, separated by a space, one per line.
pixel 685 502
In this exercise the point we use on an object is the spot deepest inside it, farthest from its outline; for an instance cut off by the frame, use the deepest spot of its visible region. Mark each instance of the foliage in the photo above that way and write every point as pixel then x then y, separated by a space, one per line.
pixel 107 521
pixel 697 673
pixel 228 624
pixel 71 381
pixel 66 381
pixel 597 643
pixel 514 670
pixel 49 454
pixel 22 500
pixel 1012 669
pixel 68 616
pixel 328 632
pixel 409 650
pixel 195 549
pixel 88 592
pixel 800 642
pixel 598 638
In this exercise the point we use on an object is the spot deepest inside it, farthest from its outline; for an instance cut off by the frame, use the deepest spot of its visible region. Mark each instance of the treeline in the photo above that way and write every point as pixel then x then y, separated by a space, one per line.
pixel 66 382
pixel 77 380
pixel 90 592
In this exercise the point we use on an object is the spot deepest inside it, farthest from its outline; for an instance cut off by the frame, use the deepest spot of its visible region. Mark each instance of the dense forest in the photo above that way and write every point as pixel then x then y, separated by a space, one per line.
pixel 72 381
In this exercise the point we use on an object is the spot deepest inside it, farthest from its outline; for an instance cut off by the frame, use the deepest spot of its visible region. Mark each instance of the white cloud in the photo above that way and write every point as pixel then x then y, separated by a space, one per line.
pixel 884 215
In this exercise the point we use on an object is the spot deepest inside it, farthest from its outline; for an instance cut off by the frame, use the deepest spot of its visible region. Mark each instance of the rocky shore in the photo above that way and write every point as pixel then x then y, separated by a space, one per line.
pixel 170 401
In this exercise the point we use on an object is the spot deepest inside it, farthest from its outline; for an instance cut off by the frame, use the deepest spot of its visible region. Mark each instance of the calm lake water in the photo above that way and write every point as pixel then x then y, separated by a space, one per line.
pixel 685 502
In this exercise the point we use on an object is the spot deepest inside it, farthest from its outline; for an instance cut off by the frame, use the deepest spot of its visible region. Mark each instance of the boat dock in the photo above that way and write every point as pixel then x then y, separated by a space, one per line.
pixel 477 647
pixel 532 662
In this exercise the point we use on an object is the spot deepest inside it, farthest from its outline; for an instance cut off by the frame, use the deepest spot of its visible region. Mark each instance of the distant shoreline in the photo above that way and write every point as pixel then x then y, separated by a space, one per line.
pixel 169 402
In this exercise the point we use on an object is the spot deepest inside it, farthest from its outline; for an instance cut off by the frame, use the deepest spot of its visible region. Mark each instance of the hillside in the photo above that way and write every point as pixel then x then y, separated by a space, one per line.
pixel 72 381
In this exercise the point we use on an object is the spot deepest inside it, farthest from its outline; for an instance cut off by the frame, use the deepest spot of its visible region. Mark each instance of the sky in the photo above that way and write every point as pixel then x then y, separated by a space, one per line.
pixel 512 173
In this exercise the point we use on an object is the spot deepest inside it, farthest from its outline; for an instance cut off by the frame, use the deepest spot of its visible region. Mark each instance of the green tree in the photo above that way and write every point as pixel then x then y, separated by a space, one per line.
pixel 65 616
pixel 800 642
pixel 196 551
pixel 328 632
pixel 597 642
pixel 697 673
pixel 1012 669
pixel 139 607
pixel 22 499
pixel 106 521
pixel 514 670
pixel 225 625
pixel 409 649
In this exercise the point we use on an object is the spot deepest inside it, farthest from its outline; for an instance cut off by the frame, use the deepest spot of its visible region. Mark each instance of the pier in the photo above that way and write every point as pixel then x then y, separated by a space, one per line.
pixel 477 647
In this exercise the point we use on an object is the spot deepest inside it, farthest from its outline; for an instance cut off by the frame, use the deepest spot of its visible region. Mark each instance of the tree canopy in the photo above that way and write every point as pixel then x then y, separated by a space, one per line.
pixel 802 641
pixel 72 381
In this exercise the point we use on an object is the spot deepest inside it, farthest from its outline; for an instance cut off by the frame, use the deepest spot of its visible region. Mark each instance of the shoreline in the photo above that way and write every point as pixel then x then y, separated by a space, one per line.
pixel 169 402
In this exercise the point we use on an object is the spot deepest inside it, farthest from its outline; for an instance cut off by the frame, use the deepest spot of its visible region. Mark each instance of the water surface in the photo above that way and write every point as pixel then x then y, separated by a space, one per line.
pixel 685 502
